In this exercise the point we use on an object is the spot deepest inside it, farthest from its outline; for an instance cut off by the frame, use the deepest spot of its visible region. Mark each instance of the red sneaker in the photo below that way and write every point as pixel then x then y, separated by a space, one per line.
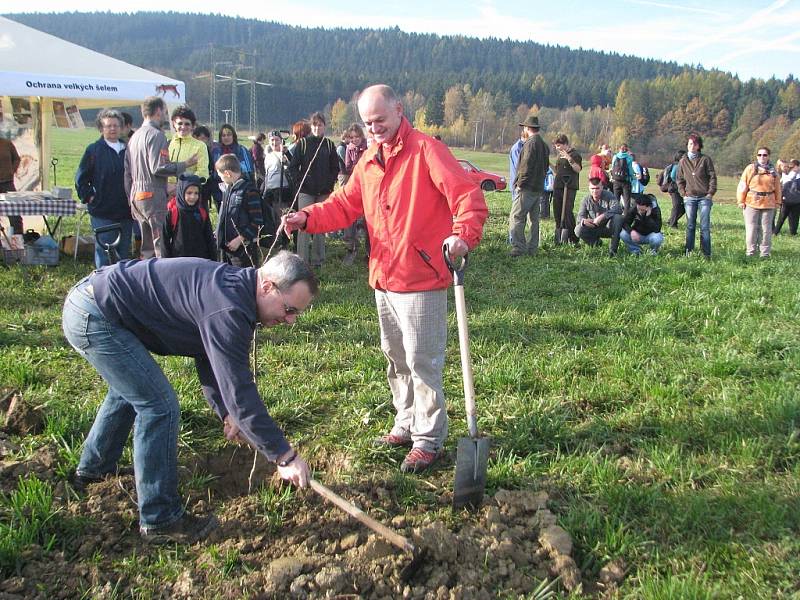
pixel 418 460
pixel 392 440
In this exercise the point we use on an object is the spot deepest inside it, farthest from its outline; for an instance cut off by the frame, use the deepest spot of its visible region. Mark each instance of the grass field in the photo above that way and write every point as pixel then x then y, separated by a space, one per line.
pixel 655 398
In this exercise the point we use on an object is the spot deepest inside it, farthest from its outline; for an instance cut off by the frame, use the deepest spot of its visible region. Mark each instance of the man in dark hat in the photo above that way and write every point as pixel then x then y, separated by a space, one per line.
pixel 528 188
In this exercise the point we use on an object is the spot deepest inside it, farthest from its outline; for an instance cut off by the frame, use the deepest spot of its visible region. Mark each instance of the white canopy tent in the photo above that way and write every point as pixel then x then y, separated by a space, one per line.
pixel 42 69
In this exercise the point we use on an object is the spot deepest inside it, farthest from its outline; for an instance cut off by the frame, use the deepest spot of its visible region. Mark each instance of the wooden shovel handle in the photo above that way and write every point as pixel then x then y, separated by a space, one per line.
pixel 362 517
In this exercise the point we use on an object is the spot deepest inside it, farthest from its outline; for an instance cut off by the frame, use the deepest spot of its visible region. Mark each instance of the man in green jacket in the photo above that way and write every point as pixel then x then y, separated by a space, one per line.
pixel 528 186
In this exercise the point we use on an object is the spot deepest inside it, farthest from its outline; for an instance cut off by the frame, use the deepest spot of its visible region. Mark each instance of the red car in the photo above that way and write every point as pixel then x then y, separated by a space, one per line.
pixel 489 182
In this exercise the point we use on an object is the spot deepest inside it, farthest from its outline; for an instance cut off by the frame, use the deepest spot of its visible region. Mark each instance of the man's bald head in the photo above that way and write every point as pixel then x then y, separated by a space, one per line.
pixel 381 111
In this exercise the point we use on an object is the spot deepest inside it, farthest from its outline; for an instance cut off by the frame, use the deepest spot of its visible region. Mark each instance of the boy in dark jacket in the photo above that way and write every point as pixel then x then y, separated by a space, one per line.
pixel 100 183
pixel 642 226
pixel 187 229
pixel 240 216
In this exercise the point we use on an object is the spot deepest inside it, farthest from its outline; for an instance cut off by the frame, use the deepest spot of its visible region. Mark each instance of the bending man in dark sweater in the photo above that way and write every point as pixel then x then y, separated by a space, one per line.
pixel 118 315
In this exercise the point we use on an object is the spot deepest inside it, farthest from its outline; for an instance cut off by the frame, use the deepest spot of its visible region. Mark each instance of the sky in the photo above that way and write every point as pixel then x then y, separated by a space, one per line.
pixel 749 38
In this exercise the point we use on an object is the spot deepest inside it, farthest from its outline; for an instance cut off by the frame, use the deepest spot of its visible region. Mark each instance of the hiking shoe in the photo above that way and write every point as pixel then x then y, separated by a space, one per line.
pixel 186 530
pixel 418 460
pixel 80 483
pixel 392 440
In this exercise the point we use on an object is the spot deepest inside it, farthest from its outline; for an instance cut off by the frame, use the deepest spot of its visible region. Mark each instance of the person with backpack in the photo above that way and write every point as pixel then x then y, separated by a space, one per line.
pixel 758 195
pixel 667 183
pixel 790 208
pixel 622 176
pixel 187 229
pixel 697 184
pixel 641 177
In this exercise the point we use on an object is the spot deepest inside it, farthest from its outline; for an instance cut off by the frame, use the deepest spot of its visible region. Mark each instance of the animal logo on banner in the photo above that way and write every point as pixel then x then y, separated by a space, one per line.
pixel 167 87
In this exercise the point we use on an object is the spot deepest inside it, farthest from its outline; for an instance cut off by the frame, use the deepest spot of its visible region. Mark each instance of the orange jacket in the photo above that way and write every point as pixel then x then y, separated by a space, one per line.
pixel 759 190
pixel 421 197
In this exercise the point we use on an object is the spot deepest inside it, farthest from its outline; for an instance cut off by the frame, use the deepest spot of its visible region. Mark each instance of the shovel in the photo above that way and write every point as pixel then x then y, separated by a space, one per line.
pixel 472 455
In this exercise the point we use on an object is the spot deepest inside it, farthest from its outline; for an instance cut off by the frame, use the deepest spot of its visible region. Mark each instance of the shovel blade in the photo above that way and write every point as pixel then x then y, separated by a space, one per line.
pixel 472 459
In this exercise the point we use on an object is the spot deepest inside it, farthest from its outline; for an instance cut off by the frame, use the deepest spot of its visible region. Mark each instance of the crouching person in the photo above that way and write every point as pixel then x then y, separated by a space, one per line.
pixel 117 316
pixel 600 216
pixel 642 226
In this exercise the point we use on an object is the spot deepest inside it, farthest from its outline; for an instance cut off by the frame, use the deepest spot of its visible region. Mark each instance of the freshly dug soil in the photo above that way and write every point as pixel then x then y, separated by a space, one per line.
pixel 304 548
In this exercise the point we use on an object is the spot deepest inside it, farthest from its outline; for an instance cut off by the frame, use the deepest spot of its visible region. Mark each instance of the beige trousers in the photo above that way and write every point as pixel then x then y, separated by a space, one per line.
pixel 317 240
pixel 413 339
pixel 758 230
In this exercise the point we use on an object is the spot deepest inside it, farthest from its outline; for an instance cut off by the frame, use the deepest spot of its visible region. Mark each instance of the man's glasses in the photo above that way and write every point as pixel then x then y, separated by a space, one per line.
pixel 761 154
pixel 289 310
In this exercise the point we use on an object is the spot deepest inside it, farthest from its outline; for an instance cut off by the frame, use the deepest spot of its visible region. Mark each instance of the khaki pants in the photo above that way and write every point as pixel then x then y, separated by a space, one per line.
pixel 525 207
pixel 758 230
pixel 151 222
pixel 317 240
pixel 413 339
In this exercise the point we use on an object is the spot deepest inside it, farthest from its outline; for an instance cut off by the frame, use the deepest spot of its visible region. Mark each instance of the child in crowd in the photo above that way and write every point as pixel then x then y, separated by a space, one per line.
pixel 240 216
pixel 187 229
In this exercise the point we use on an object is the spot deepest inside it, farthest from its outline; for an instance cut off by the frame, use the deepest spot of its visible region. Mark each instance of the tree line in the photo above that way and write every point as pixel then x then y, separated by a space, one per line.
pixel 472 92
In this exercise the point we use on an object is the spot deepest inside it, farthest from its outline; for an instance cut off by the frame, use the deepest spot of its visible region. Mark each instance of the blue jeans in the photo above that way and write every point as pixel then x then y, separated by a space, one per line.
pixel 654 240
pixel 691 203
pixel 138 394
pixel 124 246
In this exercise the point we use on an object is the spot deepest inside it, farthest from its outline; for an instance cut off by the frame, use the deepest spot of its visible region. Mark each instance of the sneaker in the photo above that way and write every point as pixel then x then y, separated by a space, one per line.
pixel 186 530
pixel 392 440
pixel 418 460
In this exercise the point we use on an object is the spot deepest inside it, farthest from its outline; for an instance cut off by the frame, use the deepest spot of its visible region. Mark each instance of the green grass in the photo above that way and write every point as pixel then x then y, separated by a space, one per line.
pixel 655 398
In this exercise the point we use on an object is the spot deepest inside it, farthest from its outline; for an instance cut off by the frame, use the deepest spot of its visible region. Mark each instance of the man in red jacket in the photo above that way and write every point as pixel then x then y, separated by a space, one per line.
pixel 415 198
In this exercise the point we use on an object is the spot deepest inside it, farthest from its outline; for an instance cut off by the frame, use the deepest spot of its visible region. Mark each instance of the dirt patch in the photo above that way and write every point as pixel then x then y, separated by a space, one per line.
pixel 18 416
pixel 302 547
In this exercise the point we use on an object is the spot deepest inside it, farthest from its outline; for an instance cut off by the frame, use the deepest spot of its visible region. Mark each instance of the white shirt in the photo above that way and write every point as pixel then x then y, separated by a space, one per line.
pixel 117 146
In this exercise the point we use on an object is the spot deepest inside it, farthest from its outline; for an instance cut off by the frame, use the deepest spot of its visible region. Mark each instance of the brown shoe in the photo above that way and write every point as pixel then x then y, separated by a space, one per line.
pixel 392 440
pixel 186 530
pixel 418 460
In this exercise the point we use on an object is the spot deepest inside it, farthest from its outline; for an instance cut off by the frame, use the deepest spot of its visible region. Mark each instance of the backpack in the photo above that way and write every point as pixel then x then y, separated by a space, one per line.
pixel 172 209
pixel 619 170
pixel 791 192
pixel 665 178
pixel 645 176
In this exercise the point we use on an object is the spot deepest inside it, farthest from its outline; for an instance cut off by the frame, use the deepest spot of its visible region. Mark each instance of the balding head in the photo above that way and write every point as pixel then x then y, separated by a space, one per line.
pixel 381 111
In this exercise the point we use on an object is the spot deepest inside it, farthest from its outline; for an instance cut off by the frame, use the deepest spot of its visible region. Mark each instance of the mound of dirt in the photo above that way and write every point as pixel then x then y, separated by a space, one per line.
pixel 303 547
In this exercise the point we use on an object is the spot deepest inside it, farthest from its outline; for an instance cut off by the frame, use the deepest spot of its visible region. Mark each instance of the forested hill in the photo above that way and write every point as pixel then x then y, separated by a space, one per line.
pixel 316 66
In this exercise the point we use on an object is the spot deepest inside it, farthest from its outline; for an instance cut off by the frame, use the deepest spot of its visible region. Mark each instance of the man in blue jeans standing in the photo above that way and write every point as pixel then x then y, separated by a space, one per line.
pixel 697 183
pixel 118 315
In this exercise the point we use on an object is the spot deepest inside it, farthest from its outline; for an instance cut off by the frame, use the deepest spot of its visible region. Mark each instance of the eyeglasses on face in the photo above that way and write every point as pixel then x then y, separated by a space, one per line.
pixel 287 309
pixel 762 154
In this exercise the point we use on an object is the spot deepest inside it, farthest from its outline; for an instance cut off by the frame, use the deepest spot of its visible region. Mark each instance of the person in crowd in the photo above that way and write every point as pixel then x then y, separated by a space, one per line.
pixel 637 183
pixel 228 143
pixel 147 167
pixel 622 176
pixel 203 134
pixel 240 215
pixel 513 163
pixel 341 152
pixel 549 186
pixel 528 185
pixel 758 194
pixel 117 316
pixel 599 216
pixel 277 187
pixel 257 154
pixel 670 185
pixel 314 165
pixel 599 164
pixel 127 127
pixel 9 163
pixel 353 153
pixel 183 145
pixel 417 200
pixel 790 205
pixel 697 184
pixel 300 130
pixel 187 229
pixel 642 225
pixel 568 167
pixel 100 184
